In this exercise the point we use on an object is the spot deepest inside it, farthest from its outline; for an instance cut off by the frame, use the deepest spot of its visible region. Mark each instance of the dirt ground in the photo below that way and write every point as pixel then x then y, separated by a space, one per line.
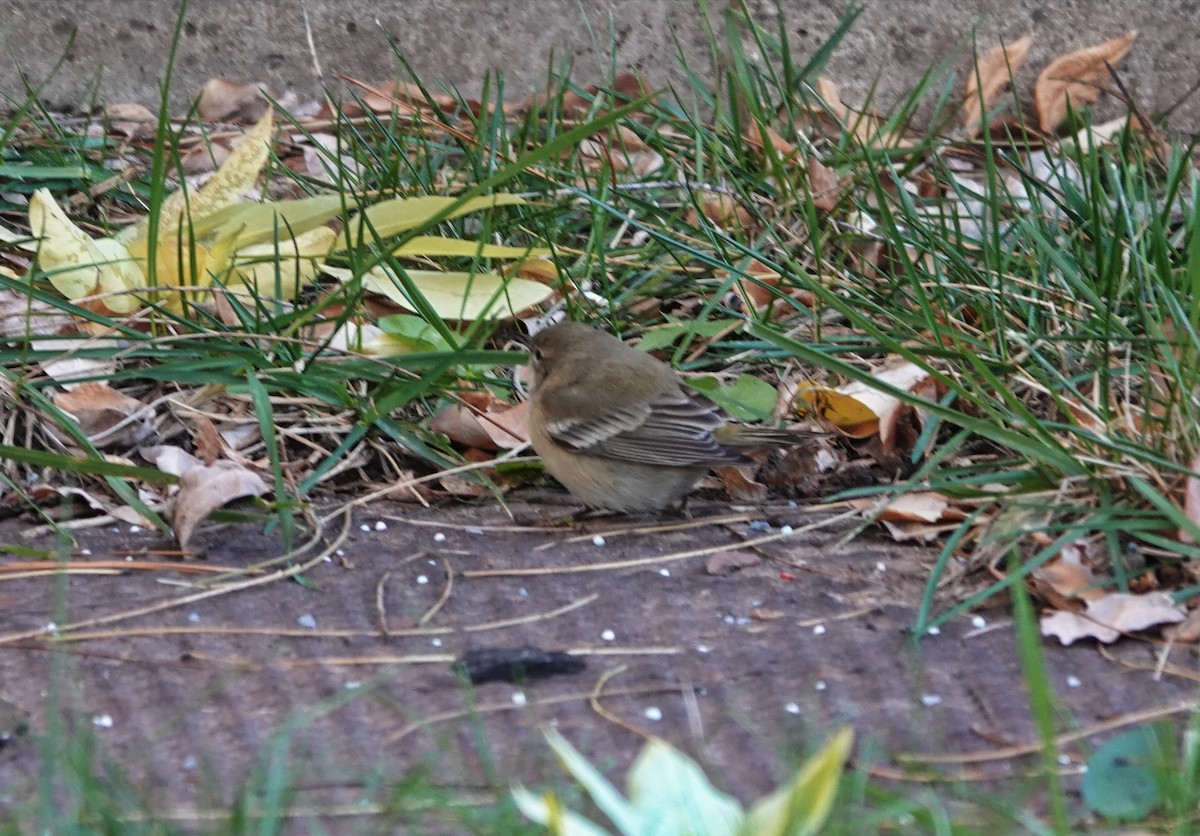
pixel 349 672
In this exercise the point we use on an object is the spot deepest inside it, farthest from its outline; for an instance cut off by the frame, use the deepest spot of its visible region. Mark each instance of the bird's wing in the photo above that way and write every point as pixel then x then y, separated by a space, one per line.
pixel 674 429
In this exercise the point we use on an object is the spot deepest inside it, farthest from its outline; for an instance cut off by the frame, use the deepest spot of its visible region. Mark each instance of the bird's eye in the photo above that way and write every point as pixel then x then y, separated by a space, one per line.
pixel 537 355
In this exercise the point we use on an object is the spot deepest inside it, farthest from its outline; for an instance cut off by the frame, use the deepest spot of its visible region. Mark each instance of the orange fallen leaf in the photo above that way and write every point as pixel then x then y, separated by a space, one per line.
pixel 860 410
pixel 1074 78
pixel 991 74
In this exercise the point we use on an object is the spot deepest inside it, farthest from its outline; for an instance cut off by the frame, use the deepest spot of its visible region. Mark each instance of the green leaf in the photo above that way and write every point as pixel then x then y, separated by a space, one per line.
pixel 603 794
pixel 672 796
pixel 664 335
pixel 801 807
pixel 411 333
pixel 1127 776
pixel 748 398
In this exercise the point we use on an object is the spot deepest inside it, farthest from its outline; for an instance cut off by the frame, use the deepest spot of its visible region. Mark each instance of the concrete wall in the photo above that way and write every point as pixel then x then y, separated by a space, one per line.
pixel 121 45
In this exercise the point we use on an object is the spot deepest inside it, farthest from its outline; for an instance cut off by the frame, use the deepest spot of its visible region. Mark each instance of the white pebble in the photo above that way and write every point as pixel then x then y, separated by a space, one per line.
pixel 598 540
pixel 340 552
pixel 327 559
pixel 518 698
pixel 307 621
pixel 103 721
pixel 880 566
pixel 436 642
pixel 422 580
pixel 821 685
pixel 189 763
pixel 51 628
pixel 439 537
pixel 666 573
pixel 652 713
pixel 608 636
pixel 129 558
pixel 478 532
pixel 364 527
pixel 85 552
pixel 930 699
pixel 352 685
pixel 703 648
pixel 978 622
pixel 729 619
pixel 785 529
pixel 194 617
pixel 523 592
pixel 792 708
pixel 135 529
pixel 380 525
pixel 1064 760
pixel 1073 682
pixel 819 630
pixel 934 631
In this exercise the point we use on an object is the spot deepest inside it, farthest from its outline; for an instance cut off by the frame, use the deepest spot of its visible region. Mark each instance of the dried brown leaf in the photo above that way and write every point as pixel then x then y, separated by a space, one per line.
pixel 226 100
pixel 98 408
pixel 1117 613
pixel 991 74
pixel 726 563
pixel 205 488
pixel 1074 78
pixel 1191 501
pixel 739 486
pixel 823 185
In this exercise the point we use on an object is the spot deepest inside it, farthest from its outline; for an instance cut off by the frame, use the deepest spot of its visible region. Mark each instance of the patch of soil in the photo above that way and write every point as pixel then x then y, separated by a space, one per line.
pixel 746 667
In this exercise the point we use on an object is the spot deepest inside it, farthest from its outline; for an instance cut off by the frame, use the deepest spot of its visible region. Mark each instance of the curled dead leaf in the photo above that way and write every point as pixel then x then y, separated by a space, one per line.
pixel 991 74
pixel 739 486
pixel 226 100
pixel 1109 617
pixel 1191 501
pixel 860 410
pixel 723 211
pixel 1075 79
pixel 205 488
pixel 483 422
pixel 823 185
pixel 726 563
pixel 98 409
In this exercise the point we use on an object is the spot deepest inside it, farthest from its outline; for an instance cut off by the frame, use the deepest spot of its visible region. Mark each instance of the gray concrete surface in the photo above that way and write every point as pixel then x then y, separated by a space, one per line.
pixel 121 46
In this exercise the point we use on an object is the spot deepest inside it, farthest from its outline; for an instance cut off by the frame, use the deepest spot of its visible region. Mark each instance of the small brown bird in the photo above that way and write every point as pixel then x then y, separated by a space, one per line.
pixel 619 428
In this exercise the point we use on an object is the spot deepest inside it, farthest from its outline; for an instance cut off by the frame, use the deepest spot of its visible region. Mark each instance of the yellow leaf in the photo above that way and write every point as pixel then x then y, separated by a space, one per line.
pixel 258 223
pixel 235 178
pixel 858 409
pixel 119 275
pixel 282 270
pixel 402 214
pixel 455 296
pixel 802 806
pixel 433 245
pixel 179 268
pixel 76 265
